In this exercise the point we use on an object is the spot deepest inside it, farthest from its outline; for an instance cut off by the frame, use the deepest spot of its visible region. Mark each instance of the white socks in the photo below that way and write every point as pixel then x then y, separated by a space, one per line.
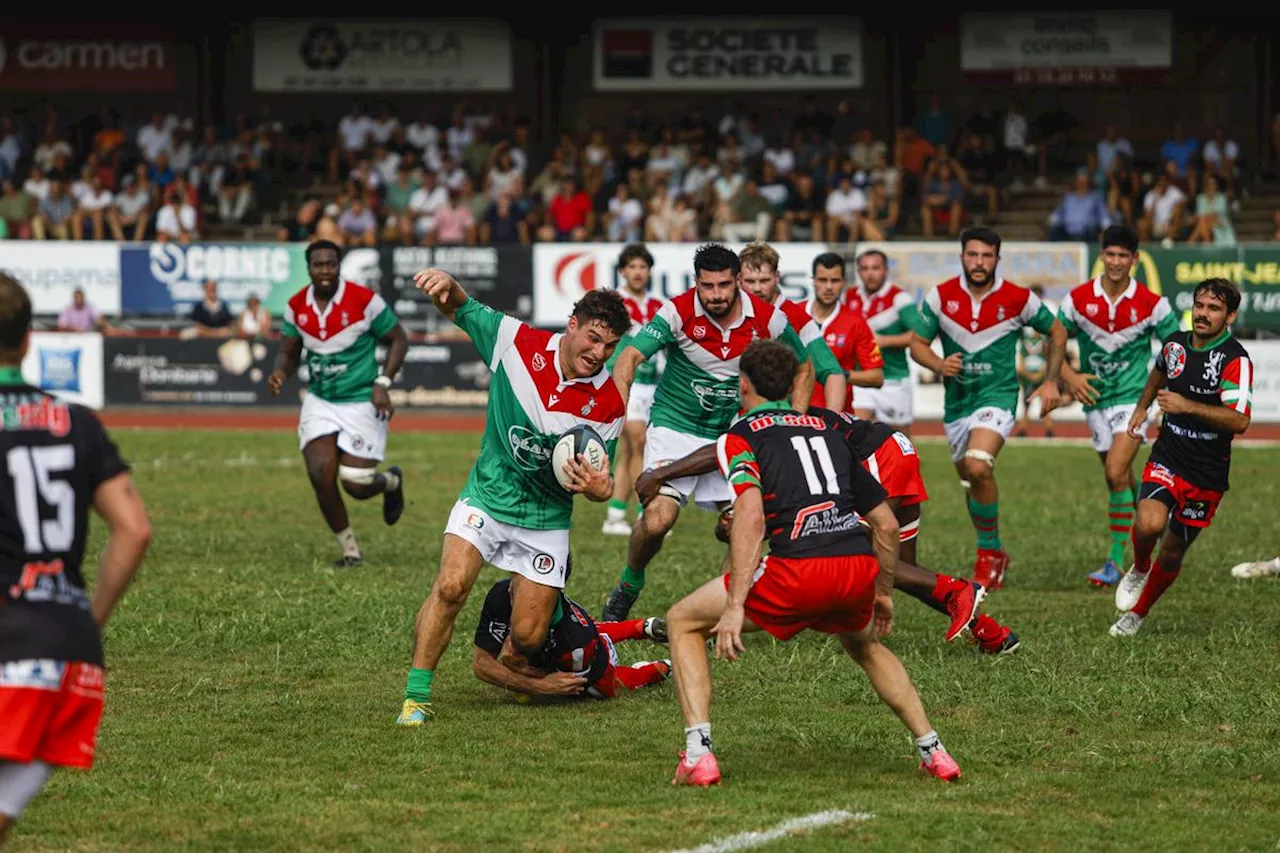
pixel 927 745
pixel 613 513
pixel 347 542
pixel 697 742
pixel 393 482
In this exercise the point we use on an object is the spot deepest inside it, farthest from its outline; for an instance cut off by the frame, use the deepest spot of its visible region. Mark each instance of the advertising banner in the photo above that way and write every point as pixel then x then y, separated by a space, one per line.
pixel 223 372
pixel 1067 48
pixel 1266 380
pixel 66 365
pixel 747 55
pixel 409 55
pixel 918 267
pixel 51 270
pixel 71 54
pixel 499 276
pixel 563 272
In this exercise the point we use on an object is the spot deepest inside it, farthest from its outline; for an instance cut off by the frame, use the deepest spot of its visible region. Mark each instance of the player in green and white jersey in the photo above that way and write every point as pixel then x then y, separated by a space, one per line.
pixel 980 317
pixel 343 424
pixel 1116 322
pixel 513 513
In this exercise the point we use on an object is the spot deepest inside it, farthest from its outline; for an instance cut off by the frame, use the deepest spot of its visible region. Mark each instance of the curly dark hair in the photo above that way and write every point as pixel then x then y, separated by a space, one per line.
pixel 771 366
pixel 1220 288
pixel 607 307
pixel 713 257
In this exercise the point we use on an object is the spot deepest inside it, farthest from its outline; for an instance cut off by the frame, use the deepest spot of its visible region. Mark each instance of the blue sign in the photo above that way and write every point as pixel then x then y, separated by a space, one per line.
pixel 60 370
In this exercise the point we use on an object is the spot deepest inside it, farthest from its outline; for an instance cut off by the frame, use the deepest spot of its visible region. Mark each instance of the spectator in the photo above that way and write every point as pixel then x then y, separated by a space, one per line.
pixel 10 148
pixel 1081 215
pixel 358 224
pixel 37 185
pixel 881 221
pixel 1015 134
pixel 625 219
pixel 751 216
pixel 50 148
pixel 423 204
pixel 802 219
pixel 160 172
pixel 208 163
pixel 1222 158
pixel 386 162
pixel 396 204
pixel 155 138
pixel 17 207
pixel 698 180
pixel 671 219
pixel 943 202
pixel 236 193
pixel 302 228
pixel 751 139
pixel 913 153
pixel 846 205
pixel 1163 210
pixel 451 175
pixel 504 223
pixel 92 204
pixel 730 151
pixel 1182 151
pixel 569 215
pixel 866 150
pixel 424 136
pixel 935 125
pixel 384 126
pixel 503 176
pixel 176 220
pixel 354 131
pixel 889 176
pixel 80 316
pixel 1212 222
pixel 55 213
pixel 210 317
pixel 724 192
pixel 780 156
pixel 454 225
pixel 1110 146
pixel 479 204
pixel 255 320
pixel 1122 187
pixel 131 209
pixel 327 225
pixel 976 166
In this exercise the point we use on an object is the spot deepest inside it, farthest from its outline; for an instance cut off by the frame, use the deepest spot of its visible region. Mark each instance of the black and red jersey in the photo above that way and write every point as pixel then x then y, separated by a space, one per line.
pixel 53 457
pixel 1218 374
pixel 573 644
pixel 814 487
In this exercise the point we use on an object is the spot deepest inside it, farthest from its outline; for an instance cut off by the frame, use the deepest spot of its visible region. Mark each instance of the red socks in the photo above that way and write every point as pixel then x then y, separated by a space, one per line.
pixel 943 587
pixel 632 629
pixel 641 674
pixel 1157 582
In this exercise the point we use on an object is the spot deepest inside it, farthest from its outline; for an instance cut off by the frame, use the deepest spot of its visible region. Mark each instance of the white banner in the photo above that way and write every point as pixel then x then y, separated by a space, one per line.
pixel 66 365
pixel 409 55
pixel 918 267
pixel 563 272
pixel 1003 41
pixel 51 271
pixel 1266 380
pixel 725 54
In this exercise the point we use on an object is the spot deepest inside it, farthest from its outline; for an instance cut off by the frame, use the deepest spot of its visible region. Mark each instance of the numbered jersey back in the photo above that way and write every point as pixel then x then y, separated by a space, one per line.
pixel 815 489
pixel 53 457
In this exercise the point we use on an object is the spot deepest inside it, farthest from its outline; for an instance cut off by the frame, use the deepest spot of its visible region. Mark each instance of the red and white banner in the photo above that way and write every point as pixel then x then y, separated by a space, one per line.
pixel 78 55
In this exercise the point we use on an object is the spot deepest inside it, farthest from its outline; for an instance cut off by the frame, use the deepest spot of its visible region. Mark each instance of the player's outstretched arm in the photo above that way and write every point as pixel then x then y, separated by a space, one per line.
pixel 286 362
pixel 118 502
pixel 443 289
pixel 488 669
pixel 700 461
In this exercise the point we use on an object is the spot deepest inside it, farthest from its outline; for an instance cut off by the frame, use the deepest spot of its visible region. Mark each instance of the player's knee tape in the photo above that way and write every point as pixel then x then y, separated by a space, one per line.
pixel 357 476
pixel 967 486
pixel 909 531
pixel 981 456
pixel 19 784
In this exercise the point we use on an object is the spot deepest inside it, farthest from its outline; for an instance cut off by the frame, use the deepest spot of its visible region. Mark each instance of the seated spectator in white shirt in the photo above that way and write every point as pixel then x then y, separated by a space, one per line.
pixel 155 138
pixel 381 128
pixel 130 211
pixel 626 216
pixel 255 320
pixel 176 220
pixel 1163 211
pixel 1222 158
pixel 782 157
pixel 37 185
pixel 419 220
pixel 846 205
pixel 354 131
pixel 358 224
pixel 92 205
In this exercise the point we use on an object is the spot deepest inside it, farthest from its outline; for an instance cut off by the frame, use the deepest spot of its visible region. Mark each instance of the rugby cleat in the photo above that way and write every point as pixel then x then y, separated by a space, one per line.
pixel 962 604
pixel 615 527
pixel 1127 625
pixel 991 637
pixel 655 628
pixel 415 713
pixel 941 766
pixel 619 603
pixel 1108 575
pixel 1129 590
pixel 990 567
pixel 1256 570
pixel 393 501
pixel 348 562
pixel 705 773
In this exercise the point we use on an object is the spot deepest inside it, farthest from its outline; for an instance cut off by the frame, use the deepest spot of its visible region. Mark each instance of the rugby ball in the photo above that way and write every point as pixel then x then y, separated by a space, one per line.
pixel 581 439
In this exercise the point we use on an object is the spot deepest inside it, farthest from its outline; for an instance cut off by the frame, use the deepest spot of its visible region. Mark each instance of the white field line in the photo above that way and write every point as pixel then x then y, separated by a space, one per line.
pixel 1056 441
pixel 747 840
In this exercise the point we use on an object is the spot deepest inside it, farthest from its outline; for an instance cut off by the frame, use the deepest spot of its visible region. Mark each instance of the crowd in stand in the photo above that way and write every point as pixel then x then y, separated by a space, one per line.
pixel 476 177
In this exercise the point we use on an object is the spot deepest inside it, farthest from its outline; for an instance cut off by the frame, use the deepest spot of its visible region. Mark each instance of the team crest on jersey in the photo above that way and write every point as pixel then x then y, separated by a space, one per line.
pixel 302 318
pixel 1175 359
pixel 1213 367
pixel 836 340
pixel 1091 309
pixel 1133 314
pixel 538 361
pixel 1000 314
pixel 345 320
pixel 699 331
pixel 591 404
pixel 952 306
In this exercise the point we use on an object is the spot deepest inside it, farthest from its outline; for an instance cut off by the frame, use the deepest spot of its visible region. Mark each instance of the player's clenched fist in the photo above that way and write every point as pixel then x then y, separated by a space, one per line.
pixel 437 284
pixel 275 381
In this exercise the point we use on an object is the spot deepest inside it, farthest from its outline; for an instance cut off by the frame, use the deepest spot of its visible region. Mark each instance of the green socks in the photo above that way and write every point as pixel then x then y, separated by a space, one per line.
pixel 418 687
pixel 986 522
pixel 1120 512
pixel 633 579
pixel 614 503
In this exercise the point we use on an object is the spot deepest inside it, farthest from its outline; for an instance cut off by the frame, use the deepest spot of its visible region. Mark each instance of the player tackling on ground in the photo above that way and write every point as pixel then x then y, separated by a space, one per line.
pixel 58 463
pixel 1203 382
pixel 578 657
pixel 343 424
pixel 703 332
pixel 634 265
pixel 980 316
pixel 1114 319
pixel 512 512
pixel 795 481
pixel 887 309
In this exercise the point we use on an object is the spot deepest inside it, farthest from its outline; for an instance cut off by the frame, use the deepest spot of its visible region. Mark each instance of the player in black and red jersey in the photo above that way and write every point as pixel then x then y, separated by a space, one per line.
pixel 578 657
pixel 56 462
pixel 795 478
pixel 1203 382
pixel 891 458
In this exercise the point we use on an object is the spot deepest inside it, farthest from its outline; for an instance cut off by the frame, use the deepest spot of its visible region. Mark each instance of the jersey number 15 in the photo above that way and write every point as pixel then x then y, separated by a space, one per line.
pixel 29 468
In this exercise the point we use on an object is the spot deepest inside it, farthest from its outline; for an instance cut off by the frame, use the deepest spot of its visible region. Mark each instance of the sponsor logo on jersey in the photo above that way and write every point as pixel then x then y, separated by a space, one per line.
pixel 539 363
pixel 766 421
pixel 1195 510
pixel 528 448
pixel 1161 474
pixel 904 444
pixel 1102 366
pixel 543 564
pixel 713 396
pixel 33 674
pixel 474 520
pixel 1175 359
pixel 821 519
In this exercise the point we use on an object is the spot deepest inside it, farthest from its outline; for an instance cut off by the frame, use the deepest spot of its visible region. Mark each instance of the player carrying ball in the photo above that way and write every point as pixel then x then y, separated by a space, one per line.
pixel 795 479
pixel 1203 382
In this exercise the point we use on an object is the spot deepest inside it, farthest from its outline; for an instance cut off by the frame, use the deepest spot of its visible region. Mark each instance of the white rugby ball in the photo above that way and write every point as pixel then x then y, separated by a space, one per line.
pixel 581 439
